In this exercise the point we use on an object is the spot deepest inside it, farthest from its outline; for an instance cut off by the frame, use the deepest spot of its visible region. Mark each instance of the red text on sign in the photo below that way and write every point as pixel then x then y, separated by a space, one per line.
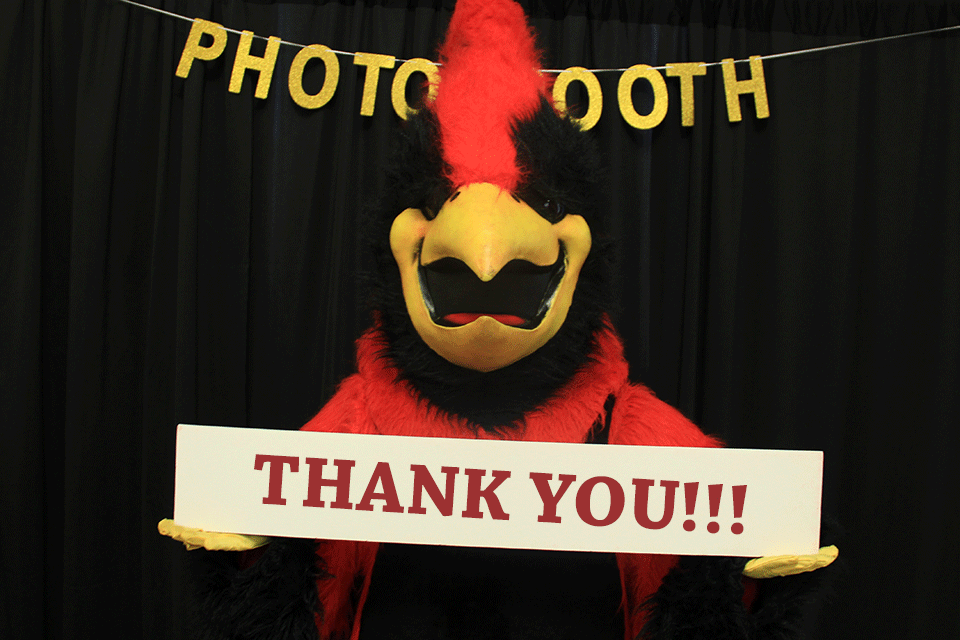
pixel 482 491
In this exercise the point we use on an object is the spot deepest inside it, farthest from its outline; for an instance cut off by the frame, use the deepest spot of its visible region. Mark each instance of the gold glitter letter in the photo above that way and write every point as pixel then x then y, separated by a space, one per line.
pixel 755 85
pixel 594 95
pixel 263 65
pixel 685 71
pixel 660 98
pixel 192 48
pixel 373 62
pixel 398 92
pixel 295 79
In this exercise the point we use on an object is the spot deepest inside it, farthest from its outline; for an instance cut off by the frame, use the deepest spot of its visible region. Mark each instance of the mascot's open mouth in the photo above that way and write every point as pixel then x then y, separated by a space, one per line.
pixel 518 296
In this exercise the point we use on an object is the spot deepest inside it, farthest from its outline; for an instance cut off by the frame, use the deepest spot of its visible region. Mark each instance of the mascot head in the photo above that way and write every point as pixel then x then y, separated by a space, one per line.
pixel 490 283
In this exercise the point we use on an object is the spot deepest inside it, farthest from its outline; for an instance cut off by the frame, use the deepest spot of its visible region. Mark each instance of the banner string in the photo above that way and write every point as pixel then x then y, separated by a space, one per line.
pixel 772 56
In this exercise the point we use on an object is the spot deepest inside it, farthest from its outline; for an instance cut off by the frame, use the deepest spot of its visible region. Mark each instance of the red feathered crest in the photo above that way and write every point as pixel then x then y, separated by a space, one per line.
pixel 489 79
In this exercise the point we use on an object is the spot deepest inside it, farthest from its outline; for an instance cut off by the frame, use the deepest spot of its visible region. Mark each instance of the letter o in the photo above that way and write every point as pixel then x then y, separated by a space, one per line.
pixel 594 95
pixel 660 98
pixel 398 91
pixel 616 501
pixel 295 79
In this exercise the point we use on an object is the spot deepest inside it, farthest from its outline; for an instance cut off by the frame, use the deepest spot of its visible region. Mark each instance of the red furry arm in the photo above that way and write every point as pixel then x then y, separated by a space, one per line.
pixel 640 418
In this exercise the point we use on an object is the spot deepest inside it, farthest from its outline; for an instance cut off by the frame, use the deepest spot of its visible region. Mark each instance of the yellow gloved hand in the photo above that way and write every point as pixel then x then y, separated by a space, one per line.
pixel 775 566
pixel 210 540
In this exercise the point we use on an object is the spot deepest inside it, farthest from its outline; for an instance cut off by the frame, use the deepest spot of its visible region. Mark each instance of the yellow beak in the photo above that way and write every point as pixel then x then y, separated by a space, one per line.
pixel 486 228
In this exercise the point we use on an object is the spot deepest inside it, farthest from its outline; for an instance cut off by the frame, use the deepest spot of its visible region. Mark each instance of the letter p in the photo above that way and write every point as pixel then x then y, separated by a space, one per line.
pixel 192 49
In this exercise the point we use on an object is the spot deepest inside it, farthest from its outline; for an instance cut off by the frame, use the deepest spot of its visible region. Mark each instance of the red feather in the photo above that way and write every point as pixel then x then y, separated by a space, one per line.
pixel 489 79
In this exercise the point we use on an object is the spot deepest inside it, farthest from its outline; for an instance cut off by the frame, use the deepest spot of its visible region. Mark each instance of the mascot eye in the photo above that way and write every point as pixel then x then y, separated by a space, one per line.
pixel 552 209
pixel 435 202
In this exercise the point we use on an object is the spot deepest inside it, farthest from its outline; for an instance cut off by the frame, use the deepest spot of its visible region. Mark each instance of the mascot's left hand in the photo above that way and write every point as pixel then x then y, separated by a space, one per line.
pixel 210 540
pixel 707 597
pixel 777 566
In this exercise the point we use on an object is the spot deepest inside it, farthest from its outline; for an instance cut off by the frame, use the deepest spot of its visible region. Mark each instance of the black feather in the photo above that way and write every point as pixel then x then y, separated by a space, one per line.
pixel 276 597
pixel 702 598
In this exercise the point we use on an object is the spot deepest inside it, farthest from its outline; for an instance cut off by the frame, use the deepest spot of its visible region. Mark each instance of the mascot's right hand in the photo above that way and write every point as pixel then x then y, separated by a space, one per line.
pixel 210 540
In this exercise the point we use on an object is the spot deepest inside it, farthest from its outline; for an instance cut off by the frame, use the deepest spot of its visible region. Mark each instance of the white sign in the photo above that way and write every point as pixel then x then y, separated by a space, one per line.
pixel 493 493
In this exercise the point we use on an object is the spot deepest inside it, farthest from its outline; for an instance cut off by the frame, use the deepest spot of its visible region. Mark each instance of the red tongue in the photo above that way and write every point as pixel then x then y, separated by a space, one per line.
pixel 467 318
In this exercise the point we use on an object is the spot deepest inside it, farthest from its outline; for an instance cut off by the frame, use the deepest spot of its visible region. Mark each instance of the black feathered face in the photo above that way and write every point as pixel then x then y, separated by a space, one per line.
pixel 485 293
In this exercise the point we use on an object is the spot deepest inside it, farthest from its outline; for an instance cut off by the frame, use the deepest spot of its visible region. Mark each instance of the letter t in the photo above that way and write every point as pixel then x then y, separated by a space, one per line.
pixel 276 474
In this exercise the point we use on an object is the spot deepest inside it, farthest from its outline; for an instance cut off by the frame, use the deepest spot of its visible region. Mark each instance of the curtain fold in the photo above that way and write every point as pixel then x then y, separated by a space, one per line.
pixel 174 253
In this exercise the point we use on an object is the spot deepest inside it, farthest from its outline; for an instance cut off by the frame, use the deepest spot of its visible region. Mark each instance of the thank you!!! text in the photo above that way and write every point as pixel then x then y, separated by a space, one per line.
pixel 493 493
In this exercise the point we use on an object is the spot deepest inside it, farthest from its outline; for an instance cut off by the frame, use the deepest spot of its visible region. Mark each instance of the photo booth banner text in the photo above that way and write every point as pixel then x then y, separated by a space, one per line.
pixel 496 493
pixel 211 47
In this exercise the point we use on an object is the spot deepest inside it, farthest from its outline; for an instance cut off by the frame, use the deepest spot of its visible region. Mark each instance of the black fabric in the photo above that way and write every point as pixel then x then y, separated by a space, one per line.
pixel 172 252
pixel 461 593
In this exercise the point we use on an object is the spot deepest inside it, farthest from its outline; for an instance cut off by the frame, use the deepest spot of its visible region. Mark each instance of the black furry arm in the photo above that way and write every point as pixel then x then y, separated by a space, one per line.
pixel 275 597
pixel 702 599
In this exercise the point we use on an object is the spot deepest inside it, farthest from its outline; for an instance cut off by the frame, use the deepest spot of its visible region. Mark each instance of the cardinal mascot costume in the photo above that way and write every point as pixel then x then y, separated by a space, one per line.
pixel 489 321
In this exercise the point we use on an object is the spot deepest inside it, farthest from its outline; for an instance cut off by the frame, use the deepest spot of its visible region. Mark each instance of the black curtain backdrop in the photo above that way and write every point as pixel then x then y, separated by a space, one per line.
pixel 175 253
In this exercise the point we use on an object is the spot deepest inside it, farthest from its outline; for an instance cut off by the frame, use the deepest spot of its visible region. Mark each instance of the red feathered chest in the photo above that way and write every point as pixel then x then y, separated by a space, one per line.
pixel 375 401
